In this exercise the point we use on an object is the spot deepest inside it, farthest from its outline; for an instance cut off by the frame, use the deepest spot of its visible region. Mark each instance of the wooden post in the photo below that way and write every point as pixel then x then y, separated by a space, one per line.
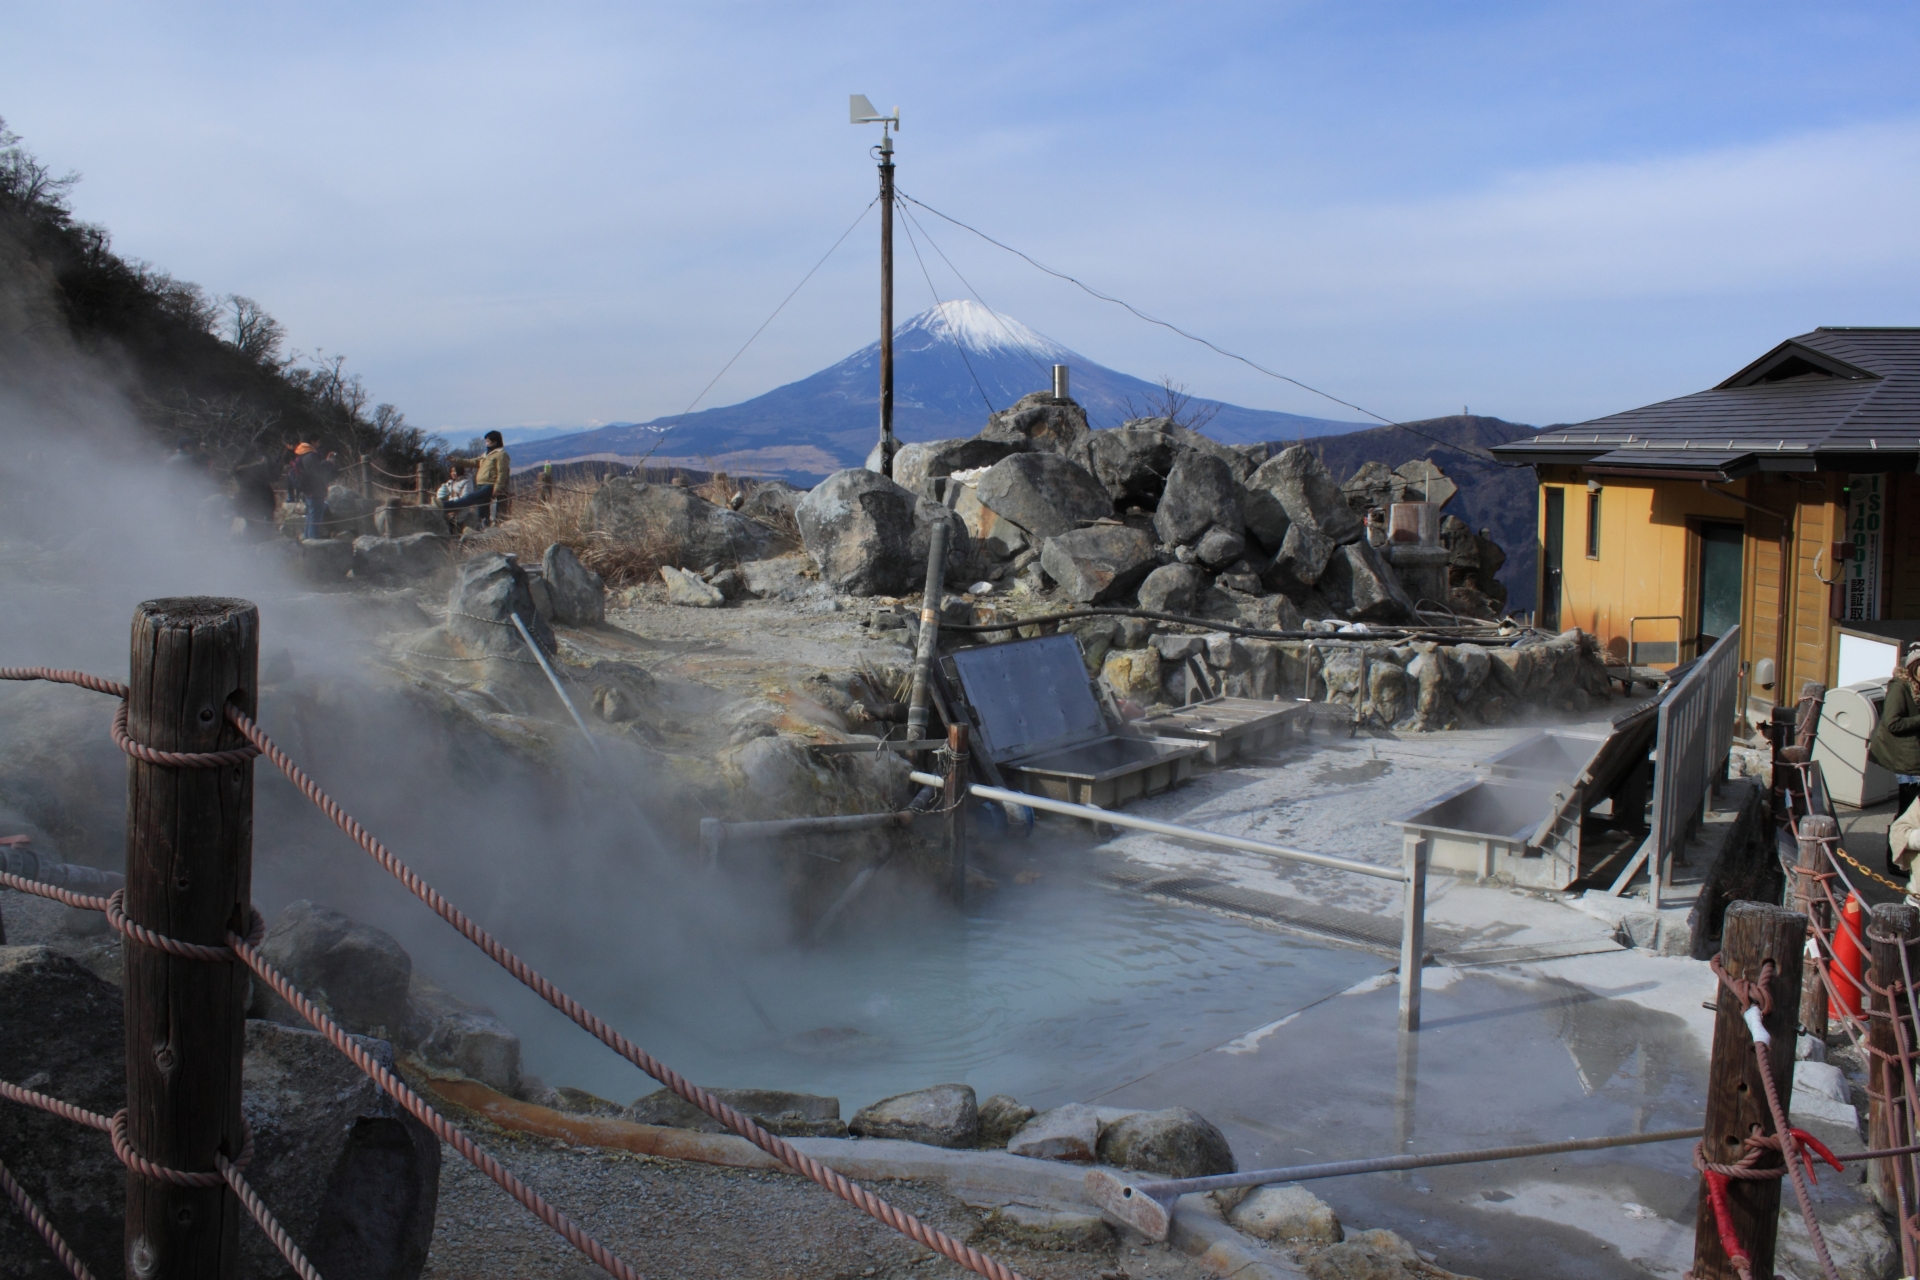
pixel 419 484
pixel 1813 904
pixel 189 878
pixel 1736 1097
pixel 1413 930
pixel 1887 1120
pixel 955 801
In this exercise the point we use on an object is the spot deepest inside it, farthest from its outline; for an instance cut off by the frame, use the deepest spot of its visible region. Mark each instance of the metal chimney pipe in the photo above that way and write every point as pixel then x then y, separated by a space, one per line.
pixel 1060 383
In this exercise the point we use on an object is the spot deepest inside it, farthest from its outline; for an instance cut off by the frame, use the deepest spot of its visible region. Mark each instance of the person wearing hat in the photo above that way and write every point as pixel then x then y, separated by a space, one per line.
pixel 311 475
pixel 491 476
pixel 1895 745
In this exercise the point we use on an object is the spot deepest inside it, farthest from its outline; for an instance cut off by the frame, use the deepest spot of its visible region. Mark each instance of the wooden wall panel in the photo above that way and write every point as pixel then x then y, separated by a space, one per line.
pixel 1903 546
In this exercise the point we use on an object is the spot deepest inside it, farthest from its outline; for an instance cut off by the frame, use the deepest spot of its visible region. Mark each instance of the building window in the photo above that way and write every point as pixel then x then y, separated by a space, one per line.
pixel 1593 524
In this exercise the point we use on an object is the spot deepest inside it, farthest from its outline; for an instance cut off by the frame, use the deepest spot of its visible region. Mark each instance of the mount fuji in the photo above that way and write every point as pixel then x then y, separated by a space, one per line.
pixel 953 365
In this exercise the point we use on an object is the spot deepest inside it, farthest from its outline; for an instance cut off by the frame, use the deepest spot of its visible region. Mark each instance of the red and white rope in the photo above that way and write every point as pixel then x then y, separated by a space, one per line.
pixel 31 1212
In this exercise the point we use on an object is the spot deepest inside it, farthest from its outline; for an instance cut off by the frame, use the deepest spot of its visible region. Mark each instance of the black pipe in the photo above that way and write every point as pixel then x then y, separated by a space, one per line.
pixel 1204 624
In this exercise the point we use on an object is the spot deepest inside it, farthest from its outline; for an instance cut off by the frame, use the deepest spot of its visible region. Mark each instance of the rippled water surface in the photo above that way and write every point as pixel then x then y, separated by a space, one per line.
pixel 1052 991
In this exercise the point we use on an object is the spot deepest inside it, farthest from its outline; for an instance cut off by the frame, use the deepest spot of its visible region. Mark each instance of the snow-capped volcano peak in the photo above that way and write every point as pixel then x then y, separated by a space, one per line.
pixel 966 323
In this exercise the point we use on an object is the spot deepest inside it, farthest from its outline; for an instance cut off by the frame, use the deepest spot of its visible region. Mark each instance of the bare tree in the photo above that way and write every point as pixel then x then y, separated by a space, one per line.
pixel 258 335
pixel 1172 401
pixel 24 177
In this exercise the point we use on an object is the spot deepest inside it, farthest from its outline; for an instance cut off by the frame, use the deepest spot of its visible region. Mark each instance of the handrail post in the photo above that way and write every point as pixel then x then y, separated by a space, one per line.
pixel 189 878
pixel 1812 903
pixel 1893 928
pixel 956 806
pixel 1413 930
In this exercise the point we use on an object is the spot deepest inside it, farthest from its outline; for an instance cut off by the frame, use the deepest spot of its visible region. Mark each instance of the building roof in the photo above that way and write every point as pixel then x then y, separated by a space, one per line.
pixel 1836 399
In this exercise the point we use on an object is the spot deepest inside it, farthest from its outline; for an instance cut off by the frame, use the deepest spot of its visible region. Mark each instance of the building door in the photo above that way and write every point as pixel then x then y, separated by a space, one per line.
pixel 1721 547
pixel 1552 556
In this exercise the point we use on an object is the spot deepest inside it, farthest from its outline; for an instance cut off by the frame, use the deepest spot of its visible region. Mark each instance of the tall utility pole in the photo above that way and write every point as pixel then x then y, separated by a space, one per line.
pixel 861 111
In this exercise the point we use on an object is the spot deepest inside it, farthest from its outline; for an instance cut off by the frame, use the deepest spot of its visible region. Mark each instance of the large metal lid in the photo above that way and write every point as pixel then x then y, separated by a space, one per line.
pixel 1030 695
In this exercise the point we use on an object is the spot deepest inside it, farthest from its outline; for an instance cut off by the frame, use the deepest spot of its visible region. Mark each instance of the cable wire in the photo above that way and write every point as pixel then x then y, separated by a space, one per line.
pixel 762 329
pixel 1211 346
pixel 961 347
pixel 968 285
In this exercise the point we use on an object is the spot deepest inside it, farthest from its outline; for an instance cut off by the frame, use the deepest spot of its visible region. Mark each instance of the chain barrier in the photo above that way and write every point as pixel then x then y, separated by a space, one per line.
pixel 740 1123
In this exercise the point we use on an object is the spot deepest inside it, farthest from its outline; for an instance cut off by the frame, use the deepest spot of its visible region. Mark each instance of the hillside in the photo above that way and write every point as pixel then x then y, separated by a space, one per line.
pixel 953 365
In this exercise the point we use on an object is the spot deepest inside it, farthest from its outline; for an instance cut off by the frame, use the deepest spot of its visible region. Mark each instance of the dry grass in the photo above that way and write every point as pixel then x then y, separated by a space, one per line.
pixel 537 524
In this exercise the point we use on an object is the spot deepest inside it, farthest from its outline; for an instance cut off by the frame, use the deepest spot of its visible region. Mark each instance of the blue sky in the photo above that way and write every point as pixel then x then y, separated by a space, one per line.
pixel 575 213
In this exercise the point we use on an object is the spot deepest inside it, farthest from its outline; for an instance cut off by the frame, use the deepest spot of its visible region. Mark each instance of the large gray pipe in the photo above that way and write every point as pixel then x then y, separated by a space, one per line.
pixel 929 627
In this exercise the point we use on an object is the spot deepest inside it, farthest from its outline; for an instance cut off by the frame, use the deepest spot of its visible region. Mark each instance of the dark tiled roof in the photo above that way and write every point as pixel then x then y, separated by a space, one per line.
pixel 1833 397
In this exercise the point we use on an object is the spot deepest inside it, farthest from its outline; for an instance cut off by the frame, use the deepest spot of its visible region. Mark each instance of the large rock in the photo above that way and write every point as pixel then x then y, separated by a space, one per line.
pixel 1133 674
pixel 1858 1242
pixel 1302 558
pixel 943 1116
pixel 1200 495
pixel 675 523
pixel 690 589
pixel 450 1032
pixel 1422 480
pixel 1071 1132
pixel 1287 1215
pixel 1040 422
pixel 579 596
pixel 1299 482
pixel 414 556
pixel 994 536
pixel 1098 564
pixel 481 606
pixel 870 536
pixel 1369 487
pixel 1241 459
pixel 1220 547
pixel 1177 1143
pixel 1358 575
pixel 396 519
pixel 771 502
pixel 1043 493
pixel 1132 460
pixel 791 1115
pixel 349 1174
pixel 917 466
pixel 355 972
pixel 1172 588
pixel 1002 1116
pixel 63 1036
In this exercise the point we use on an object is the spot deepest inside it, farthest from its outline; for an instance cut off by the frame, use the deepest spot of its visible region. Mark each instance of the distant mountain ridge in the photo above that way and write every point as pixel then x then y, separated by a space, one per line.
pixel 953 365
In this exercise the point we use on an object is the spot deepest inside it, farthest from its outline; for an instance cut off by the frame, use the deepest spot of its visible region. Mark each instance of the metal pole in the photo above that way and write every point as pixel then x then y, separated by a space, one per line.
pixel 955 800
pixel 887 444
pixel 553 678
pixel 1413 932
pixel 929 639
pixel 189 878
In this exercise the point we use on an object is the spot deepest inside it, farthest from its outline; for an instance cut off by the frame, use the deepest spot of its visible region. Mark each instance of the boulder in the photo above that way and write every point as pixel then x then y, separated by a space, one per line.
pixel 1287 1215
pixel 579 596
pixel 917 466
pixel 1299 482
pixel 771 502
pixel 1369 487
pixel 414 556
pixel 1200 495
pixel 791 1115
pixel 1071 1132
pixel 994 536
pixel 1171 589
pixel 1174 649
pixel 1219 547
pixel 1386 690
pixel 1040 422
pixel 943 1116
pixel 542 594
pixel 1177 1143
pixel 781 578
pixel 1098 564
pixel 1132 460
pixel 1000 1118
pixel 348 512
pixel 1421 480
pixel 450 1032
pixel 1357 575
pixel 1043 493
pixel 325 559
pixel 675 523
pixel 1241 459
pixel 1857 1240
pixel 395 519
pixel 349 1174
pixel 492 589
pixel 64 1036
pixel 690 589
pixel 1133 674
pixel 869 536
pixel 355 972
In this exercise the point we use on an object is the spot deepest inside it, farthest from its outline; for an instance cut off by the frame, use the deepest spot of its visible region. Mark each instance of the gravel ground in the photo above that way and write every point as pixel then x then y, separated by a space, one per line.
pixel 670 1219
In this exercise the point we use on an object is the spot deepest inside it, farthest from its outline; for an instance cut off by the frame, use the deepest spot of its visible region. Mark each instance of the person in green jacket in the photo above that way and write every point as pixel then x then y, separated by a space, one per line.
pixel 1895 744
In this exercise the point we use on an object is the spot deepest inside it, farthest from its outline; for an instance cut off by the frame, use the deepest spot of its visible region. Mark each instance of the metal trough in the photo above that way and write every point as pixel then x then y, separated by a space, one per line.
pixel 1550 754
pixel 1495 828
pixel 1040 724
pixel 1228 726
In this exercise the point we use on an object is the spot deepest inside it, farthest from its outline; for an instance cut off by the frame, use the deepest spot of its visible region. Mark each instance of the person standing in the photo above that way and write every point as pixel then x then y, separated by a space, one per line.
pixel 492 477
pixel 1895 744
pixel 311 476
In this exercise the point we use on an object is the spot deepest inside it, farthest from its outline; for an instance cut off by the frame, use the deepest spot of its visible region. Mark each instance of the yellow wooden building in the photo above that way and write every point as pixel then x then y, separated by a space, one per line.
pixel 1785 499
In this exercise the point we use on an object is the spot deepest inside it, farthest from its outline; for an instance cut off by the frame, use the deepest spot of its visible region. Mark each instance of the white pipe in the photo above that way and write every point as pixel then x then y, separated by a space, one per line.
pixel 555 680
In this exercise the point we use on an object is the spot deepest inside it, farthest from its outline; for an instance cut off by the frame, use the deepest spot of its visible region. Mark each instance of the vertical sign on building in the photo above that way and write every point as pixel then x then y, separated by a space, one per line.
pixel 1860 579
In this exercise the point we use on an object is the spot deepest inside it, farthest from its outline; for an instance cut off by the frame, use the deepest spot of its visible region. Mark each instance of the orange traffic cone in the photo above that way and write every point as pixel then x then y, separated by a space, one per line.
pixel 1845 975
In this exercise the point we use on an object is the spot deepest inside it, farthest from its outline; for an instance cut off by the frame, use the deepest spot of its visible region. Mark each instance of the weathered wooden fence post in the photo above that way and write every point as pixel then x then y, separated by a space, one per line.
pixel 955 801
pixel 1413 929
pixel 1736 1097
pixel 419 484
pixel 189 878
pixel 1893 926
pixel 1812 902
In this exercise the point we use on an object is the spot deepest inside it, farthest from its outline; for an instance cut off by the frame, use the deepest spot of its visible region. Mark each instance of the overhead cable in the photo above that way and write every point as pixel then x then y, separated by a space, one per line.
pixel 968 285
pixel 961 347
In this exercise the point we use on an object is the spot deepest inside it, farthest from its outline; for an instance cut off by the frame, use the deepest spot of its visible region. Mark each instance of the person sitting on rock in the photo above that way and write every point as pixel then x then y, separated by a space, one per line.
pixel 458 485
pixel 490 477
